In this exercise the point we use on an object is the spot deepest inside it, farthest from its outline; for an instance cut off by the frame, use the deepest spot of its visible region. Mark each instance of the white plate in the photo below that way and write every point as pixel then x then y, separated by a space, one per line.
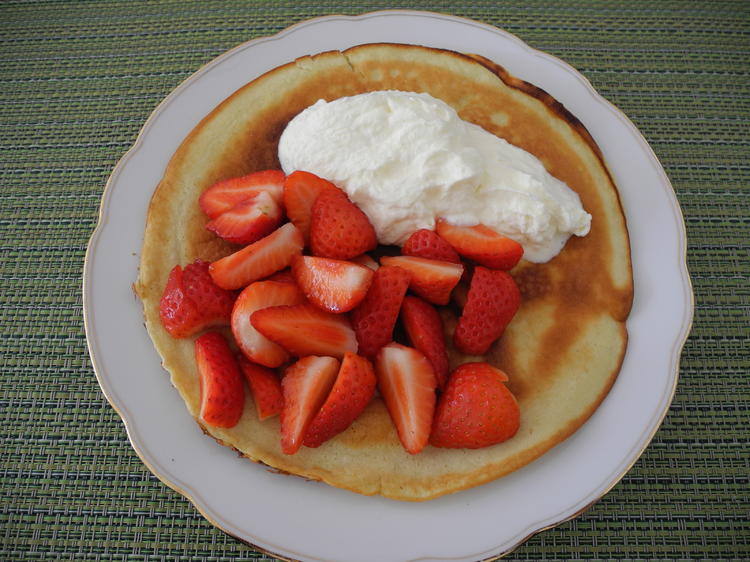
pixel 294 518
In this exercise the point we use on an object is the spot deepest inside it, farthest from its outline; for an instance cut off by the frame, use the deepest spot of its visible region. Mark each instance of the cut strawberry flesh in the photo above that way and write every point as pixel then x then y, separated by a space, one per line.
pixel 265 388
pixel 332 285
pixel 301 189
pixel 433 280
pixel 249 220
pixel 222 396
pixel 222 196
pixel 481 244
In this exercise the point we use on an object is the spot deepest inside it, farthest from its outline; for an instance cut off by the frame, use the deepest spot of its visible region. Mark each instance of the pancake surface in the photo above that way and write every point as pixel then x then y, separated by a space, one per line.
pixel 562 351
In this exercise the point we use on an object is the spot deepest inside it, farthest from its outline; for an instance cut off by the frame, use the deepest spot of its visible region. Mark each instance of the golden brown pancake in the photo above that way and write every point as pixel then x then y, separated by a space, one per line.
pixel 563 349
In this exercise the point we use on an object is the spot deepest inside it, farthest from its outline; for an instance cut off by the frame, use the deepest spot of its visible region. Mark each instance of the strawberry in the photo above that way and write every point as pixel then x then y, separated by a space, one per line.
pixel 222 395
pixel 333 285
pixel 338 228
pixel 481 244
pixel 373 320
pixel 476 409
pixel 265 387
pixel 433 280
pixel 305 386
pixel 261 294
pixel 427 244
pixel 258 260
pixel 424 327
pixel 367 261
pixel 283 276
pixel 192 301
pixel 407 384
pixel 248 220
pixel 304 329
pixel 301 189
pixel 222 196
pixel 352 391
pixel 492 302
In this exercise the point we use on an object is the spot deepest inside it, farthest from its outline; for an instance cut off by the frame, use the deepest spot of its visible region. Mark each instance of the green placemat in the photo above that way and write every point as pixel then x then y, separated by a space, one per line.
pixel 78 81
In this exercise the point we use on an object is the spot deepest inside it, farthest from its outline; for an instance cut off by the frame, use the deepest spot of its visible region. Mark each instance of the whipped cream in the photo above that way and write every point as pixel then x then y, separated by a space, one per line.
pixel 406 159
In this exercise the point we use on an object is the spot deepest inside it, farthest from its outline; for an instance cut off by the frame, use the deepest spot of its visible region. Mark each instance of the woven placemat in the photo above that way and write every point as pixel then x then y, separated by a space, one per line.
pixel 78 81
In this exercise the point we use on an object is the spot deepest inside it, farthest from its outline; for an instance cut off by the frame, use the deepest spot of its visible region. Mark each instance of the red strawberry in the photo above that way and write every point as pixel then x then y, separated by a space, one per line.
pixel 338 228
pixel 367 261
pixel 249 220
pixel 424 327
pixel 426 244
pixel 373 320
pixel 333 285
pixel 283 276
pixel 492 302
pixel 222 196
pixel 301 189
pixel 192 301
pixel 352 391
pixel 481 244
pixel 258 260
pixel 257 296
pixel 305 385
pixel 432 280
pixel 304 329
pixel 222 395
pixel 476 409
pixel 265 387
pixel 407 384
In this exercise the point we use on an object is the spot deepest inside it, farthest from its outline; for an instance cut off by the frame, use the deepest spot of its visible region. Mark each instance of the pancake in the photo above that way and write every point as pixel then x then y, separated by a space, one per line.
pixel 562 351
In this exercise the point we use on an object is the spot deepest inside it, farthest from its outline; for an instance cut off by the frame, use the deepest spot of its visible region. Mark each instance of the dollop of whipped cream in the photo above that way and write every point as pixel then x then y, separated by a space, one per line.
pixel 406 159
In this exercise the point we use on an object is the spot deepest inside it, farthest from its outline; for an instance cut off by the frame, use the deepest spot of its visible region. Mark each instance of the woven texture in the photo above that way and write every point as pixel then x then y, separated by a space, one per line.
pixel 78 81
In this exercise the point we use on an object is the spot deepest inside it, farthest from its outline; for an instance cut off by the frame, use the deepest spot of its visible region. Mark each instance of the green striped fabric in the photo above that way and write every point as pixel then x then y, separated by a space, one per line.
pixel 78 81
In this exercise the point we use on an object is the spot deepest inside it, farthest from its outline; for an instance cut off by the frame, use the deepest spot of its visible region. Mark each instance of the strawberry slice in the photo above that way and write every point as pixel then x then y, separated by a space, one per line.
pixel 352 391
pixel 301 189
pixel 338 228
pixel 249 220
pixel 222 196
pixel 333 285
pixel 367 261
pixel 258 260
pixel 373 320
pixel 265 387
pixel 222 396
pixel 427 244
pixel 256 296
pixel 433 280
pixel 304 329
pixel 192 301
pixel 476 409
pixel 481 244
pixel 492 302
pixel 305 386
pixel 407 384
pixel 424 327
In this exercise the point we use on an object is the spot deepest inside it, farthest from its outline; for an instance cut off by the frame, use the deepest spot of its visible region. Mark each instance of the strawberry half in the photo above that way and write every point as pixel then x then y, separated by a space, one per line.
pixel 407 384
pixel 265 387
pixel 256 296
pixel 249 220
pixel 222 196
pixel 258 260
pixel 425 243
pixel 304 329
pixel 432 280
pixel 301 189
pixel 192 301
pixel 333 285
pixel 305 386
pixel 476 409
pixel 338 228
pixel 367 261
pixel 481 244
pixel 424 327
pixel 222 396
pixel 352 391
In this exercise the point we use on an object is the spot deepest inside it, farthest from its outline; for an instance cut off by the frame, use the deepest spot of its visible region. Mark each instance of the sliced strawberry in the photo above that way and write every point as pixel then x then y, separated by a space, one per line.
pixel 258 260
pixel 304 329
pixel 257 296
pixel 192 301
pixel 222 395
pixel 352 391
pixel 265 387
pixel 283 276
pixel 367 261
pixel 338 228
pixel 433 280
pixel 301 189
pixel 373 320
pixel 481 244
pixel 305 385
pixel 427 244
pixel 424 327
pixel 333 285
pixel 407 384
pixel 222 196
pixel 476 409
pixel 249 220
pixel 492 302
